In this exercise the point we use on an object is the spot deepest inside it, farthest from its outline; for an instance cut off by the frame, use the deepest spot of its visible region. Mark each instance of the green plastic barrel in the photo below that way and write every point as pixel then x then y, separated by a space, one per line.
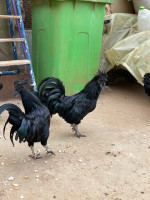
pixel 66 40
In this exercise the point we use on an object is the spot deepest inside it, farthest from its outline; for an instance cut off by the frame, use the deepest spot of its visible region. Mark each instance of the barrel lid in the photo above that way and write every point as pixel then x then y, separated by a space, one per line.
pixel 142 8
pixel 98 1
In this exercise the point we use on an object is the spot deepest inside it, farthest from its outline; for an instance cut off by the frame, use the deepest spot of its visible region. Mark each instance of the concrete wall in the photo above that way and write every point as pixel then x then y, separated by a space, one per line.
pixel 28 14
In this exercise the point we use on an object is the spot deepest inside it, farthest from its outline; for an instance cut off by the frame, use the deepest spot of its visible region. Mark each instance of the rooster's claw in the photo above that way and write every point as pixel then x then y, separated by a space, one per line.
pixel 51 152
pixel 80 136
pixel 35 156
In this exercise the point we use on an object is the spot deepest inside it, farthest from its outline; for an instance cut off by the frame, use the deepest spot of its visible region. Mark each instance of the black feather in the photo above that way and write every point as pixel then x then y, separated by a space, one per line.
pixel 5 128
pixel 1 86
pixel 15 117
pixel 71 108
pixel 37 117
pixel 31 126
pixel 147 83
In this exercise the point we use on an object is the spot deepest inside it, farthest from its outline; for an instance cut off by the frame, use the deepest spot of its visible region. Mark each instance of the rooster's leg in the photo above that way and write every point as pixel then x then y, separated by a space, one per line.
pixel 48 149
pixel 77 133
pixel 34 155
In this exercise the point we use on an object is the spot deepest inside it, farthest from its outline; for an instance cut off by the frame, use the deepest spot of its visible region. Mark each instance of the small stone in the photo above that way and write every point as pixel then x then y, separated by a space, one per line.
pixel 11 178
pixel 16 185
pixel 45 161
pixel 142 192
pixel 35 170
pixel 67 145
pixel 80 160
pixel 106 194
pixel 56 179
pixel 26 177
pixel 5 183
pixel 2 163
pixel 16 188
pixel 21 197
pixel 59 151
pixel 108 153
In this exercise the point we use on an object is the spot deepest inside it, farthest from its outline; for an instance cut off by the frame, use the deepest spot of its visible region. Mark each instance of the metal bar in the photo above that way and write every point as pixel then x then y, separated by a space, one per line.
pixel 2 73
pixel 24 45
pixel 9 17
pixel 11 29
pixel 14 62
pixel 12 40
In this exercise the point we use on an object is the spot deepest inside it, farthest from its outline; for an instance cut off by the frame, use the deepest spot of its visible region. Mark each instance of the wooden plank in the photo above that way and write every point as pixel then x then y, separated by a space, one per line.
pixel 12 40
pixel 14 62
pixel 9 17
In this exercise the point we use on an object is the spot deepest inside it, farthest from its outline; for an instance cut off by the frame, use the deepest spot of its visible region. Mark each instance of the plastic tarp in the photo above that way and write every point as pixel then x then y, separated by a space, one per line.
pixel 124 46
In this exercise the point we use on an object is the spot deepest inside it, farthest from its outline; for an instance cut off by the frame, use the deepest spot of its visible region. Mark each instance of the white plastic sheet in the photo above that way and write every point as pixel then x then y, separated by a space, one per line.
pixel 124 45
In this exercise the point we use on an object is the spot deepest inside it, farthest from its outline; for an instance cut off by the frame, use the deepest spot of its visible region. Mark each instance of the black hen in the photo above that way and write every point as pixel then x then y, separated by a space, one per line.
pixel 71 108
pixel 31 126
pixel 147 83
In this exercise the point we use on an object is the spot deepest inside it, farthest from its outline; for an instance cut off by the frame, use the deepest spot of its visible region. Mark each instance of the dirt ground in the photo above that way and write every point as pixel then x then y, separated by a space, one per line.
pixel 111 163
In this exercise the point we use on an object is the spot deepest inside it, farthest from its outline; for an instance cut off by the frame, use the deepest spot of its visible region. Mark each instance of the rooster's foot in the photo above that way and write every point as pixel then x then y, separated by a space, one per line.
pixel 72 127
pixel 49 150
pixel 77 133
pixel 35 155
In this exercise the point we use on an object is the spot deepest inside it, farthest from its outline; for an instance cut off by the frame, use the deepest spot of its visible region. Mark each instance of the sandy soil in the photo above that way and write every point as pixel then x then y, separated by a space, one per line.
pixel 112 162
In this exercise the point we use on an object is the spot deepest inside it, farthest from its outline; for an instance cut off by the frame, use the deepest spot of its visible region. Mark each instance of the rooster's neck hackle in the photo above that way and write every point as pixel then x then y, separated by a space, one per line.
pixel 29 100
pixel 27 103
pixel 93 88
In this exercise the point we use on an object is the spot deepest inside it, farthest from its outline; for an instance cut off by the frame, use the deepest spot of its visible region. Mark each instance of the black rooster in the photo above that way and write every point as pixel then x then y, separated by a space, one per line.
pixel 1 86
pixel 71 108
pixel 147 83
pixel 31 126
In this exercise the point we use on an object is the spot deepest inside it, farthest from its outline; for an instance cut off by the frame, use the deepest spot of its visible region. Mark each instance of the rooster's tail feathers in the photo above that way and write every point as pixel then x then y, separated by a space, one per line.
pixel 10 108
pixel 23 131
pixel 50 91
pixel 12 131
pixel 15 115
pixel 5 128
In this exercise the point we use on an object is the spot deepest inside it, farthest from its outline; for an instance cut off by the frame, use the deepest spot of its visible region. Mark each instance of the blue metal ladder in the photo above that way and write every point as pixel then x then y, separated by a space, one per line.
pixel 20 25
